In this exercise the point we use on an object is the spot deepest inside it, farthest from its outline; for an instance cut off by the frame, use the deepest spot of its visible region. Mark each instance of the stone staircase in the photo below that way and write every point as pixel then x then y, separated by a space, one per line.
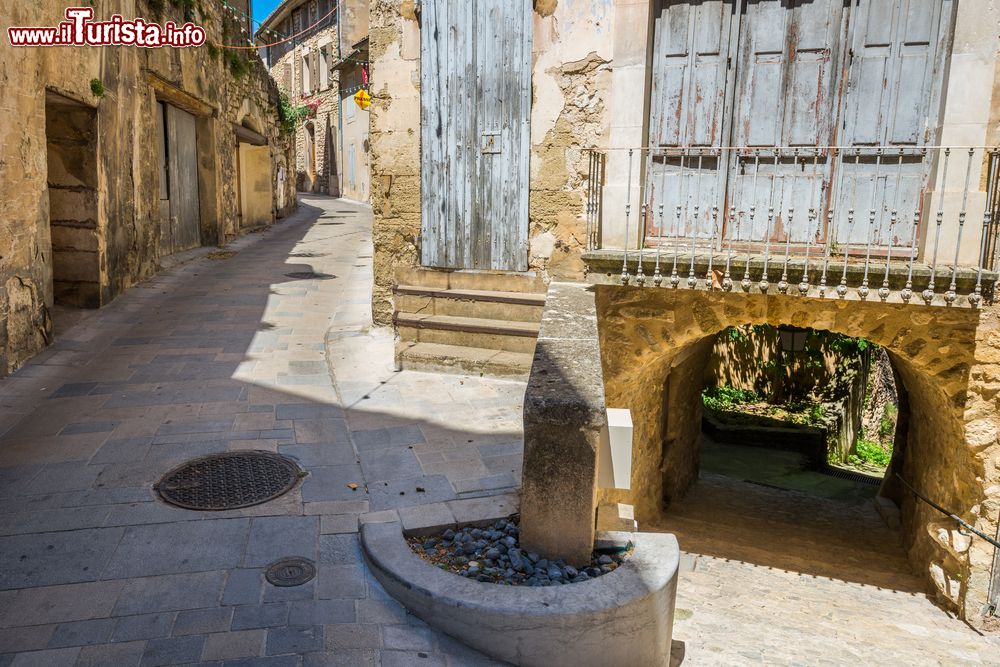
pixel 476 322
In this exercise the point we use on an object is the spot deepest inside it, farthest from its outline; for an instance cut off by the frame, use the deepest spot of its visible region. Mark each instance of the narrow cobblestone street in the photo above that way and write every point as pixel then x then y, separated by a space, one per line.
pixel 233 352
pixel 268 346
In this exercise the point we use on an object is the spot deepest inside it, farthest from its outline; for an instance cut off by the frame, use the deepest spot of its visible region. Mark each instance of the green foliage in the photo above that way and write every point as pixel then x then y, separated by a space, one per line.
pixel 238 65
pixel 290 114
pixel 848 346
pixel 871 453
pixel 96 88
pixel 887 423
pixel 720 398
pixel 213 50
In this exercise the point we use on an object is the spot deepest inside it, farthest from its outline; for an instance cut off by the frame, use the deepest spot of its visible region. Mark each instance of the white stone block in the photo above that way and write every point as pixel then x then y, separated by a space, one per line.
pixel 614 463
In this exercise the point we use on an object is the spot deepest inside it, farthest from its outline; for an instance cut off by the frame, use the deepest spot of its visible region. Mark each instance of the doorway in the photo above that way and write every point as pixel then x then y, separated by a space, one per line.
pixel 180 216
pixel 475 99
pixel 71 151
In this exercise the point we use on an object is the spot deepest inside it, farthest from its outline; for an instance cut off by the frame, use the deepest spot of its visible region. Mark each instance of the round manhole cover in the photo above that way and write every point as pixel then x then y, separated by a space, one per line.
pixel 290 572
pixel 229 480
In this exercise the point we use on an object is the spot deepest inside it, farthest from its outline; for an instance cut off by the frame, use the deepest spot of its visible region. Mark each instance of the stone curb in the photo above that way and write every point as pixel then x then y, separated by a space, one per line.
pixel 622 618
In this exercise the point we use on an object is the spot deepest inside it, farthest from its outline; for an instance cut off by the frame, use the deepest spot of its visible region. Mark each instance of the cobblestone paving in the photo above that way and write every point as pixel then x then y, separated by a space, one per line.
pixel 229 354
pixel 238 353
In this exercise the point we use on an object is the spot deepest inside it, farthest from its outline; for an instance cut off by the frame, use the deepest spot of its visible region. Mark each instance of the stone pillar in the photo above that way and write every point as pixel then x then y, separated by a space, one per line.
pixel 564 420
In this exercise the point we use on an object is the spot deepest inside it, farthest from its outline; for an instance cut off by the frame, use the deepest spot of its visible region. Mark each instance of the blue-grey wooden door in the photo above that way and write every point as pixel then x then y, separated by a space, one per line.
pixel 792 75
pixel 892 90
pixel 475 101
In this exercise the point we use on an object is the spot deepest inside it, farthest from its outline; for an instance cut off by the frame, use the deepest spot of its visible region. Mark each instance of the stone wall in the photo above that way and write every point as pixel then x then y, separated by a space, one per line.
pixel 287 70
pixel 124 244
pixel 572 49
pixel 394 52
pixel 949 365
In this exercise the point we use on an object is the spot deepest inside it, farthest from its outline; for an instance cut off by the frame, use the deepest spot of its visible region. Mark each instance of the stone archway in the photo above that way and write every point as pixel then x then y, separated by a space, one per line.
pixel 654 342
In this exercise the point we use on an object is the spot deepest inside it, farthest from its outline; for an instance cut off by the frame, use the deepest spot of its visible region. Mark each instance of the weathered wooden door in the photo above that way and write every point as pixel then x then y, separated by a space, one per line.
pixel 785 97
pixel 890 94
pixel 475 98
pixel 790 74
pixel 690 102
pixel 180 218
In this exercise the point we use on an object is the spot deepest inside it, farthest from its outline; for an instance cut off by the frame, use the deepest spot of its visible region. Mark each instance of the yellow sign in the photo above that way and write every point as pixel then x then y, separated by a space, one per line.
pixel 362 99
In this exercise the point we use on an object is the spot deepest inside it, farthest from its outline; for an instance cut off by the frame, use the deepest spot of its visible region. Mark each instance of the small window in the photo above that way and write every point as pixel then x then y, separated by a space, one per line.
pixel 324 68
pixel 306 89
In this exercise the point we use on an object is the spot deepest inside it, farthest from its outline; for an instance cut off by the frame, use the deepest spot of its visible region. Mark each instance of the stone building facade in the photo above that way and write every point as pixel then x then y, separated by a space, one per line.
pixel 114 157
pixel 313 50
pixel 601 77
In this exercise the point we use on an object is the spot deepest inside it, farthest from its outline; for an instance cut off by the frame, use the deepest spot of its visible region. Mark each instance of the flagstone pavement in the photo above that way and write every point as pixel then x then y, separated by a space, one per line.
pixel 271 348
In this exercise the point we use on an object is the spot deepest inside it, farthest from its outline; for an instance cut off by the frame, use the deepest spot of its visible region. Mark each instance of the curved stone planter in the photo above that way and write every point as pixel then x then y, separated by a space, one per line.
pixel 622 618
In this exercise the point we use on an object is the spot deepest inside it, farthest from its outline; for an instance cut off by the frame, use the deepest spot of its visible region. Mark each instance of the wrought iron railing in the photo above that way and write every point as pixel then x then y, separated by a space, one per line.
pixel 830 222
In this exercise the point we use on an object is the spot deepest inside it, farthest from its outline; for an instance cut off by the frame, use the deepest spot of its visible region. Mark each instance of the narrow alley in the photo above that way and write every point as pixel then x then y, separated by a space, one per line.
pixel 267 345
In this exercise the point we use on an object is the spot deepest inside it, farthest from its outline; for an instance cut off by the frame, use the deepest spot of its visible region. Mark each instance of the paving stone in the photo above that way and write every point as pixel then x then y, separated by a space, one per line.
pixel 411 659
pixel 188 546
pixel 202 621
pixel 57 657
pixel 338 523
pixel 342 658
pixel 14 640
pixel 407 637
pixel 380 611
pixel 340 582
pixel 352 636
pixel 243 586
pixel 62 477
pixel 321 612
pixel 294 639
pixel 249 617
pixel 389 464
pixel 82 633
pixel 423 516
pixel 231 645
pixel 406 493
pixel 171 592
pixel 53 520
pixel 267 661
pixel 342 549
pixel 384 438
pixel 122 450
pixel 143 626
pixel 111 655
pixel 331 483
pixel 88 427
pixel 172 651
pixel 272 538
pixel 61 604
pixel 325 454
pixel 195 426
pixel 307 411
pixel 306 591
pixel 73 389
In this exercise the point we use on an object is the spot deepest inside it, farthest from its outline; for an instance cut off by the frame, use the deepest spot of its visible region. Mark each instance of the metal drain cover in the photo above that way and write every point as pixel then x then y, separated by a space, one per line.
pixel 229 480
pixel 290 572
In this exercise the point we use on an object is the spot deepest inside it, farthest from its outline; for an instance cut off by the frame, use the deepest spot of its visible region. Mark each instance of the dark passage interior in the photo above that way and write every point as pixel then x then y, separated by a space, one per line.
pixel 798 429
pixel 72 184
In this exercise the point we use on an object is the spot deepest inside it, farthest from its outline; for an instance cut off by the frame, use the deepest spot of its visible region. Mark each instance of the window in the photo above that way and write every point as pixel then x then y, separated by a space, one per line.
pixel 324 68
pixel 306 89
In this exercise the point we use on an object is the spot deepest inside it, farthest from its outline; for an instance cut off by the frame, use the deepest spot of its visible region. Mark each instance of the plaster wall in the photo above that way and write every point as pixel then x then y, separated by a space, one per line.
pixel 127 223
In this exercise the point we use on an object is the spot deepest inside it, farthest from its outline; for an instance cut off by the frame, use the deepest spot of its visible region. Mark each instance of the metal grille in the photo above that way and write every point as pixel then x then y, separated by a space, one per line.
pixel 229 481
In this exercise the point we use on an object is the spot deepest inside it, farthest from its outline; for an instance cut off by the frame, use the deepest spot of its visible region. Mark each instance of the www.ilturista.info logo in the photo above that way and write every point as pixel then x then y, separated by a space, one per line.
pixel 79 30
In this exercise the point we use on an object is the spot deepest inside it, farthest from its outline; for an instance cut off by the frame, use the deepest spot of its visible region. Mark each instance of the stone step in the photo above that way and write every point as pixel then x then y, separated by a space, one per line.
pixel 441 358
pixel 469 279
pixel 485 304
pixel 499 335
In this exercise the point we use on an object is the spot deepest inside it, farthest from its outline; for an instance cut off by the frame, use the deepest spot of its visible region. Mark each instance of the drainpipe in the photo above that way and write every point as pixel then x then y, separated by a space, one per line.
pixel 340 101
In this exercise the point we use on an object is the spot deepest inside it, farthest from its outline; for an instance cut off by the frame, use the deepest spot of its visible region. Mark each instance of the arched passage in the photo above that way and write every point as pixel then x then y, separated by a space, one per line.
pixel 655 343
